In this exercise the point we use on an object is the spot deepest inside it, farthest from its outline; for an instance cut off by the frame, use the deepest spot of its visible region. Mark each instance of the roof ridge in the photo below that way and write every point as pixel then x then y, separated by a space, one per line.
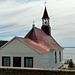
pixel 35 35
pixel 32 32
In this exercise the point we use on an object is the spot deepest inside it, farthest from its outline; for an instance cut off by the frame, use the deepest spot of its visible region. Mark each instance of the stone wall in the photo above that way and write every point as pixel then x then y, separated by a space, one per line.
pixel 33 71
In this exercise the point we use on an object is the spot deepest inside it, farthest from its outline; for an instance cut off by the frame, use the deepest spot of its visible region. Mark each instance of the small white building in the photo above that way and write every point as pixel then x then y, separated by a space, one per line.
pixel 37 49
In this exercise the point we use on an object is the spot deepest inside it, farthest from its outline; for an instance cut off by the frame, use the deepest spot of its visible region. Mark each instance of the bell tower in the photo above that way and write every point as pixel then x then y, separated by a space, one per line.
pixel 45 23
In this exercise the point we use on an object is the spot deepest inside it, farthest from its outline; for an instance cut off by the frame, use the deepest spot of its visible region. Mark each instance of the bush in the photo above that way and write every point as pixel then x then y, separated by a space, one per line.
pixel 71 65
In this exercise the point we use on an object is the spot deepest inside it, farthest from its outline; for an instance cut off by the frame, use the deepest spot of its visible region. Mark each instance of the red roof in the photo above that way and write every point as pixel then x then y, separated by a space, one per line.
pixel 40 41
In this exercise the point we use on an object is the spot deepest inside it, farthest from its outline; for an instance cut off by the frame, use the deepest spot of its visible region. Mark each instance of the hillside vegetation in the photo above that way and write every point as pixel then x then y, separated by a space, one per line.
pixel 2 43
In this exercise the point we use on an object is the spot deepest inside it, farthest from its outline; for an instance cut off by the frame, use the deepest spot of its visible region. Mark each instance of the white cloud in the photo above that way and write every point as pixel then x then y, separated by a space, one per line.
pixel 16 16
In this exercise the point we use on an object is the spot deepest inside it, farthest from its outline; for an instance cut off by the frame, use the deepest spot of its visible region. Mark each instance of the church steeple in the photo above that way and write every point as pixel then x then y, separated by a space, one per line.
pixel 45 23
pixel 45 15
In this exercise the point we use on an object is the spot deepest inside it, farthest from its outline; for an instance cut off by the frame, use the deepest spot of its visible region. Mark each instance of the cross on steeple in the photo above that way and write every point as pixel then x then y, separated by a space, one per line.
pixel 45 3
pixel 33 22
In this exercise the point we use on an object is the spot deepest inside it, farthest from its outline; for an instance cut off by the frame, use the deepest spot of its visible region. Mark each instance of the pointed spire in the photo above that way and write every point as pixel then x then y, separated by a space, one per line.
pixel 45 15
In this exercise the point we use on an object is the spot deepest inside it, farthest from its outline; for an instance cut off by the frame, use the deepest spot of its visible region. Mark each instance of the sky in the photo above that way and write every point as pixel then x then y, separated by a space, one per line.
pixel 17 16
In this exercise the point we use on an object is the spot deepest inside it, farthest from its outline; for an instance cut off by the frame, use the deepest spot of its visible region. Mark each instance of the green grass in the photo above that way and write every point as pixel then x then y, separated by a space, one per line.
pixel 70 69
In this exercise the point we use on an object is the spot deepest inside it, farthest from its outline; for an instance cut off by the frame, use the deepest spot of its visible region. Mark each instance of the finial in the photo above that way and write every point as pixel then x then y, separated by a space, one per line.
pixel 45 3
pixel 33 24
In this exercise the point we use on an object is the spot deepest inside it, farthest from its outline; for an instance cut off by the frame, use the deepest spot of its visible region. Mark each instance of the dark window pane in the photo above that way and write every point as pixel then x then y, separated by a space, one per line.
pixel 16 61
pixel 60 55
pixel 55 57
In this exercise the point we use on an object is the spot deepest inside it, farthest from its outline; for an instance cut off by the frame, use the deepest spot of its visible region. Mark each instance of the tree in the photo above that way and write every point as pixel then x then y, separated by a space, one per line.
pixel 2 43
pixel 71 65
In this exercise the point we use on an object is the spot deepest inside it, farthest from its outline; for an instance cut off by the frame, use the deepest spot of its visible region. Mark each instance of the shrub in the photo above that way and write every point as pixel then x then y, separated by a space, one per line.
pixel 71 63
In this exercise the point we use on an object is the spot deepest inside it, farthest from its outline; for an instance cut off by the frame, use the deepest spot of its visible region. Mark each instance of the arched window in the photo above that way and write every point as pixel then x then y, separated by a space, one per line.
pixel 60 55
pixel 55 57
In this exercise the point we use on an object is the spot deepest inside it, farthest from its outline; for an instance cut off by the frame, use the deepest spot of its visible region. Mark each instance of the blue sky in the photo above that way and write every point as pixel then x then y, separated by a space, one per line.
pixel 17 16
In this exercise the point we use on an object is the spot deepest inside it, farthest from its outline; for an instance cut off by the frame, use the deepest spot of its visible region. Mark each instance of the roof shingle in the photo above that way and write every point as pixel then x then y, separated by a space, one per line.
pixel 40 41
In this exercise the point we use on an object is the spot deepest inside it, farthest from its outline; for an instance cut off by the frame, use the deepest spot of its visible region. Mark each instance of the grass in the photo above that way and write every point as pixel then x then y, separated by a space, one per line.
pixel 70 69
